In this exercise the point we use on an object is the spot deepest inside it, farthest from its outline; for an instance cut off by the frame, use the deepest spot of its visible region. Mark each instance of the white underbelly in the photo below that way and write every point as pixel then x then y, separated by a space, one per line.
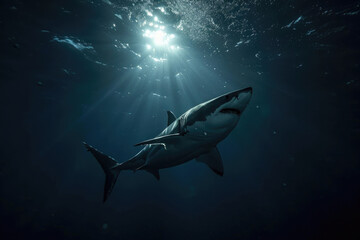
pixel 174 154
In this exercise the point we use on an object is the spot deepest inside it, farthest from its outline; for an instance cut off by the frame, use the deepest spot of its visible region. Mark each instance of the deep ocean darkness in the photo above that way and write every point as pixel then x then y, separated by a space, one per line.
pixel 106 72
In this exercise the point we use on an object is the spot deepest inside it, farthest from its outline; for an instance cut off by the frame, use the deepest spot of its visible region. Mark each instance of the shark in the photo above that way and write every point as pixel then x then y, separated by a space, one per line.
pixel 193 135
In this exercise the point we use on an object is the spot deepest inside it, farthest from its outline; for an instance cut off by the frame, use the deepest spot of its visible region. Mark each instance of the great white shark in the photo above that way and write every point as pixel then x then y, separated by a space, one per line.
pixel 193 135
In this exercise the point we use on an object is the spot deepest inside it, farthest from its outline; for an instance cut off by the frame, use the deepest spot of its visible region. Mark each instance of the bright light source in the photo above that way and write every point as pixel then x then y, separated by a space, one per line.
pixel 148 13
pixel 147 33
pixel 160 38
pixel 173 48
pixel 156 19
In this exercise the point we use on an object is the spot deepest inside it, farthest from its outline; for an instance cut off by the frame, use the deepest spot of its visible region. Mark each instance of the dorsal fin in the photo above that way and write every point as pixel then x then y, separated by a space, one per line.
pixel 213 160
pixel 171 117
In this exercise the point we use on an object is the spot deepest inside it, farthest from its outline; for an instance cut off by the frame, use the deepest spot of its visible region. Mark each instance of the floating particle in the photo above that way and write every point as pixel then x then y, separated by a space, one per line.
pixel 105 226
pixel 349 82
pixel 118 16
pixel 310 32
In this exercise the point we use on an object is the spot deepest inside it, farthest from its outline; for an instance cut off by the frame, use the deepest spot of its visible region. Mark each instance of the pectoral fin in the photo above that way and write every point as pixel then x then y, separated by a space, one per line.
pixel 213 160
pixel 163 140
pixel 171 117
pixel 154 172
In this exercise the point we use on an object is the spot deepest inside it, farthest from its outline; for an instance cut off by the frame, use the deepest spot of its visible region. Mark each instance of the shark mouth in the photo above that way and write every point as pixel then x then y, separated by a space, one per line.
pixel 230 110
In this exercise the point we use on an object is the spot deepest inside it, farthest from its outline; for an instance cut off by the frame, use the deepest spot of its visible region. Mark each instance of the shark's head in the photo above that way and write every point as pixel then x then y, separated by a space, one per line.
pixel 233 103
pixel 217 117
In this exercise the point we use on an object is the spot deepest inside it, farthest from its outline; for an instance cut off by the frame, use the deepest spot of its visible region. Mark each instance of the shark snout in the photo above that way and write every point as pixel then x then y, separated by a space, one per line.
pixel 246 94
pixel 246 90
pixel 236 101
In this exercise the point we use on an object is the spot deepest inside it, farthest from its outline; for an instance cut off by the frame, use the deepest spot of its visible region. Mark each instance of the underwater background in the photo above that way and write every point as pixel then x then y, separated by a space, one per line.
pixel 106 72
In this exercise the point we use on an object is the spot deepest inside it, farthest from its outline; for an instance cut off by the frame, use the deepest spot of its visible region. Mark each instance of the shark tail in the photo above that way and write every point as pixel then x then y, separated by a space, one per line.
pixel 110 167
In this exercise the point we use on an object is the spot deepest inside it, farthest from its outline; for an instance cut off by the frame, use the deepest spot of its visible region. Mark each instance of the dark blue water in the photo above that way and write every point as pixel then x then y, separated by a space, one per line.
pixel 106 72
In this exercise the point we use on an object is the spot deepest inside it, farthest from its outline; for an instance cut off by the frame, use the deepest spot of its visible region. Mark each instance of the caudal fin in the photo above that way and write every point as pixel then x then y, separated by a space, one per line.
pixel 110 167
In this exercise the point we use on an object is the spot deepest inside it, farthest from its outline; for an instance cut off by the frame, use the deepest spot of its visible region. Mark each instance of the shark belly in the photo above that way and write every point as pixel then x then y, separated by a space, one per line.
pixel 175 154
pixel 197 141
